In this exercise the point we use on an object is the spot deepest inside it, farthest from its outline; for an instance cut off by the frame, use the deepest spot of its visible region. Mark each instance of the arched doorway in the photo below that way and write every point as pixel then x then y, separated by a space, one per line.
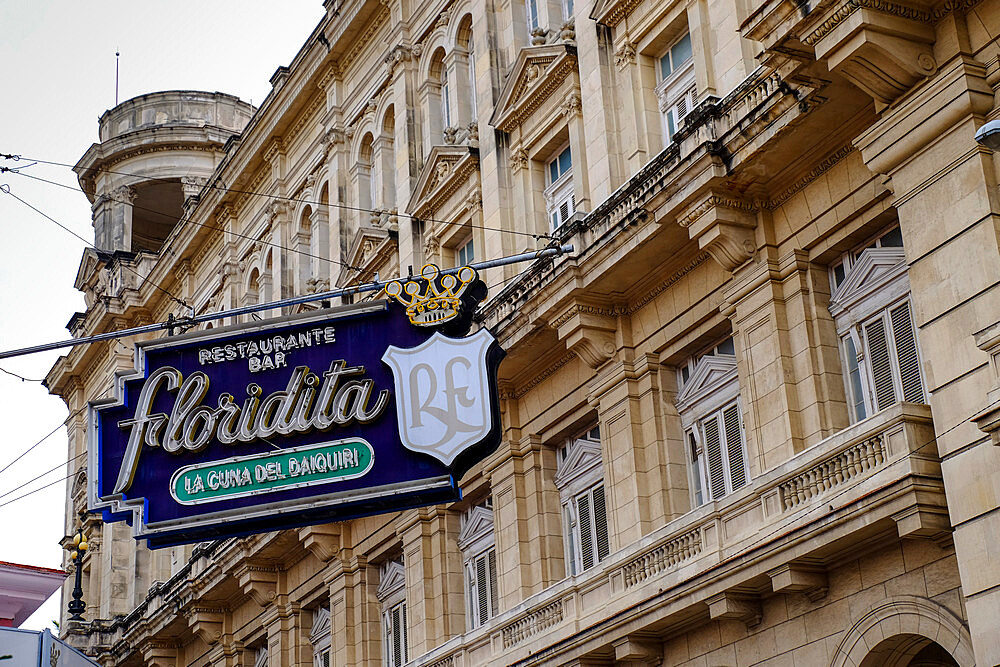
pixel 908 650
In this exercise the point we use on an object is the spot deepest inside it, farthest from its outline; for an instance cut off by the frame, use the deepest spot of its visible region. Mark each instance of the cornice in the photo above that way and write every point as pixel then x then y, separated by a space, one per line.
pixel 843 12
pixel 523 388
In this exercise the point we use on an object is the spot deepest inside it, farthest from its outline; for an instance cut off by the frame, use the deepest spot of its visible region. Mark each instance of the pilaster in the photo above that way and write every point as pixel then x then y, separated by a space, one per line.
pixel 627 397
pixel 435 588
pixel 528 519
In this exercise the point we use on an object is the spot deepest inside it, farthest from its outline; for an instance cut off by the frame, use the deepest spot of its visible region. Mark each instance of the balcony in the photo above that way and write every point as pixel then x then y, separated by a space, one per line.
pixel 879 478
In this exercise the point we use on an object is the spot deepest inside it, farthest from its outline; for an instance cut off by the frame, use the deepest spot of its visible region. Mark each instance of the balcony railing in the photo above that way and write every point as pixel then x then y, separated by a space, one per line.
pixel 836 472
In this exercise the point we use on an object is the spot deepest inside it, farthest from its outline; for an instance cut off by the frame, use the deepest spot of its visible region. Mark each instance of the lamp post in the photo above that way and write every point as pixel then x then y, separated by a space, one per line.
pixel 77 606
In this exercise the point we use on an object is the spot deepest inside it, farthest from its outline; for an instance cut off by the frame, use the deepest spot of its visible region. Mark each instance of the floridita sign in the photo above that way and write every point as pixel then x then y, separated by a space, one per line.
pixel 301 419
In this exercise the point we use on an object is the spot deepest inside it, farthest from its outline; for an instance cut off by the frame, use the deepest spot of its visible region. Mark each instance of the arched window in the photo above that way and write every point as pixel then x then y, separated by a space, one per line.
pixel 445 94
pixel 366 174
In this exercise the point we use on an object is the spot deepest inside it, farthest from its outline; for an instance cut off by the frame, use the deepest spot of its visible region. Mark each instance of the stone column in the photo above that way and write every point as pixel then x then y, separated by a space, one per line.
pixel 435 587
pixel 945 194
pixel 572 111
pixel 117 232
pixel 528 518
pixel 635 79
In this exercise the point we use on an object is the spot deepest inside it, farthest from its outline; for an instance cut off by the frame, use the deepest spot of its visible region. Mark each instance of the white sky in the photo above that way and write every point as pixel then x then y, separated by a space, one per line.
pixel 57 78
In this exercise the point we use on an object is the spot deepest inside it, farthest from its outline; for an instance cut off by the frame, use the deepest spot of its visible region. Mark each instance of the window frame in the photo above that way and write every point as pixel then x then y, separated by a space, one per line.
pixel 462 256
pixel 559 190
pixel 710 390
pixel 676 89
pixel 579 473
pixel 477 542
pixel 391 594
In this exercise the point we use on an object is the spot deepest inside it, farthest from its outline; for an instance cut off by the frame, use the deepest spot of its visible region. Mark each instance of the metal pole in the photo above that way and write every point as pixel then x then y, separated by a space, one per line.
pixel 77 606
pixel 174 323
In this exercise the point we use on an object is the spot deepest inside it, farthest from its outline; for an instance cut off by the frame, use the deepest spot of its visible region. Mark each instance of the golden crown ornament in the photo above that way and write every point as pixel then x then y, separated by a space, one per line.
pixel 433 299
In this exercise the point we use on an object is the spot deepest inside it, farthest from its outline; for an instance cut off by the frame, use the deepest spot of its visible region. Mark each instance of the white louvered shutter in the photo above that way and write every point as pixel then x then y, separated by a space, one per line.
pixel 734 446
pixel 906 354
pixel 586 531
pixel 713 453
pixel 879 361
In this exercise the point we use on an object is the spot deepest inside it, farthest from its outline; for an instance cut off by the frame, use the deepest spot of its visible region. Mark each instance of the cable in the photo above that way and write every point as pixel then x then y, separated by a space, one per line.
pixel 288 199
pixel 72 415
pixel 183 221
pixel 19 377
pixel 83 453
pixel 42 488
pixel 6 190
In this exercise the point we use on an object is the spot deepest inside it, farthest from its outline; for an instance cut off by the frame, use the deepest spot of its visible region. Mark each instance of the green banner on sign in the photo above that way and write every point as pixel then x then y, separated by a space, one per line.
pixel 273 471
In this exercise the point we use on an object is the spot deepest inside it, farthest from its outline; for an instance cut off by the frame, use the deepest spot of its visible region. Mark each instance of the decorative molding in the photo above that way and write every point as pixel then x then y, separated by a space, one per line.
pixel 535 76
pixel 365 39
pixel 392 579
pixel 518 159
pixel 303 119
pixel 851 6
pixel 697 261
pixel 402 53
pixel 275 148
pixel 523 388
pixel 693 214
pixel 810 176
pixel 478 525
pixel 613 12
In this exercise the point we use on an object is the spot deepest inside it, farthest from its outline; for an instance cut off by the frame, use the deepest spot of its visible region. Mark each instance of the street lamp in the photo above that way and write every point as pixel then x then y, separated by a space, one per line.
pixel 77 606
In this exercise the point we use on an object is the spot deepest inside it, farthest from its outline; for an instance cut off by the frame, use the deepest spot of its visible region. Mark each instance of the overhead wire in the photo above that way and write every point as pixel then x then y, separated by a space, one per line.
pixel 19 377
pixel 296 200
pixel 184 221
pixel 145 279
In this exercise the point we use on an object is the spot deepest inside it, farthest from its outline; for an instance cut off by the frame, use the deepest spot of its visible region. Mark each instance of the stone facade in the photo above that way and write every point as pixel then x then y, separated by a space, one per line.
pixel 751 419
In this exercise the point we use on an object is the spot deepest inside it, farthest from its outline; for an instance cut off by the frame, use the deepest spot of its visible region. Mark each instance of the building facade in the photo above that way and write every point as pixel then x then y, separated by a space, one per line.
pixel 751 419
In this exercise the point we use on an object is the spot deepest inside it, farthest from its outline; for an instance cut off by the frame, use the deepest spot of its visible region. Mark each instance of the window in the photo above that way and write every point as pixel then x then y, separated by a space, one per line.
pixel 840 268
pixel 560 200
pixel 260 658
pixel 567 7
pixel 532 15
pixel 445 106
pixel 465 254
pixel 391 594
pixel 709 406
pixel 472 79
pixel 677 91
pixel 873 316
pixel 478 546
pixel 320 636
pixel 580 480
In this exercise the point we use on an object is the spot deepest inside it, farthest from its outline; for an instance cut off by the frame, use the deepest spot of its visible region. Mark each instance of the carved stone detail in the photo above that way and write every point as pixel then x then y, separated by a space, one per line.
pixel 206 622
pixel 260 582
pixel 882 52
pixel 571 106
pixel 538 36
pixel 625 55
pixel 724 227
pixel 518 159
pixel 322 540
pixel 589 333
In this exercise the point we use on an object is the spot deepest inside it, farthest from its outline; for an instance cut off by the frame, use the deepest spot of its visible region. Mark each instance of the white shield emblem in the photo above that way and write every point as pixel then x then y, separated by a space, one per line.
pixel 442 393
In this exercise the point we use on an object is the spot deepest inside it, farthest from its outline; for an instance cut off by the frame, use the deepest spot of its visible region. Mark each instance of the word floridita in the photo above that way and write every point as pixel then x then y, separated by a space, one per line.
pixel 303 405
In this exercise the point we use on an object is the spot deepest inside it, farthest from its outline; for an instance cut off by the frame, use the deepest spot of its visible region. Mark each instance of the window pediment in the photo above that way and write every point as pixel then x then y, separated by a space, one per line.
pixel 612 12
pixel 712 373
pixel 584 457
pixel 536 75
pixel 874 271
pixel 371 250
pixel 447 169
pixel 478 525
pixel 393 580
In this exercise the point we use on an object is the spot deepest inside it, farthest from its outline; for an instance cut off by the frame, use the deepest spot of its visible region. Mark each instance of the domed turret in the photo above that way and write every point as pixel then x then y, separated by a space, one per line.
pixel 155 151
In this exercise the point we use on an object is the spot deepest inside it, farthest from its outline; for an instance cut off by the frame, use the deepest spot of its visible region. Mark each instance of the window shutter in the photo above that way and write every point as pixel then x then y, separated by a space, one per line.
pixel 906 354
pixel 713 452
pixel 601 524
pixel 586 531
pixel 878 355
pixel 482 592
pixel 493 582
pixel 734 445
